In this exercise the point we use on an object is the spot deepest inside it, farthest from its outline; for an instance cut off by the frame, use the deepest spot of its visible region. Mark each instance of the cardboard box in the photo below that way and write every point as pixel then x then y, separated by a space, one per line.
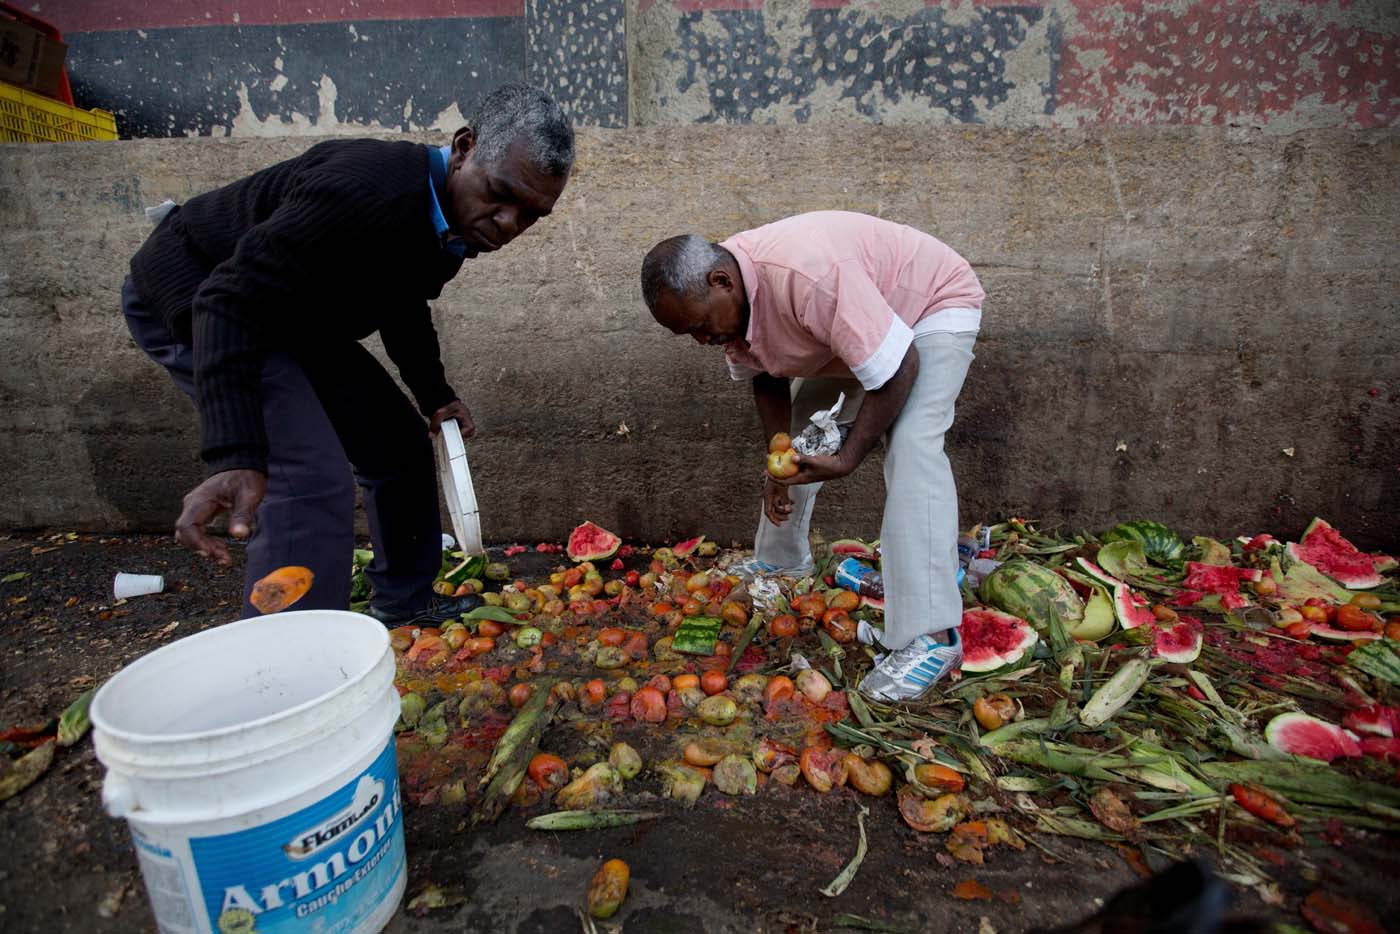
pixel 29 59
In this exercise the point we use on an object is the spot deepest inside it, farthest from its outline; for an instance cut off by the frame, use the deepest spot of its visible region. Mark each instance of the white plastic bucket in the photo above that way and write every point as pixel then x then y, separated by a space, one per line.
pixel 255 766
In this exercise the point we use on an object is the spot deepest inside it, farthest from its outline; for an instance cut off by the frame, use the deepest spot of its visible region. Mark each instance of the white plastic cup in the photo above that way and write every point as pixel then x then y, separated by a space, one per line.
pixel 448 542
pixel 126 586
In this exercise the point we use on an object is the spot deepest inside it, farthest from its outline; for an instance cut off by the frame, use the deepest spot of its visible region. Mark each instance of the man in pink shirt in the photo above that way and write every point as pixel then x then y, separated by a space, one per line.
pixel 844 302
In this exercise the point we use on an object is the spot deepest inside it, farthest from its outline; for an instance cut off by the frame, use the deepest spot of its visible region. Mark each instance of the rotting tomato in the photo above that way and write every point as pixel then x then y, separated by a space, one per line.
pixel 637 647
pixel 938 778
pixel 824 769
pixel 1353 618
pixel 490 628
pixel 455 638
pixel 661 609
pixel 631 578
pixel 869 778
pixel 649 705
pixel 593 694
pixel 781 441
pixel 714 682
pixel 685 682
pixel 839 626
pixel 1313 614
pixel 1392 630
pixel 693 607
pixel 808 604
pixel 611 635
pixel 401 639
pixel 733 613
pixel 779 687
pixel 1300 630
pixel 428 651
pixel 548 771
pixel 1367 601
pixel 519 694
pixel 783 626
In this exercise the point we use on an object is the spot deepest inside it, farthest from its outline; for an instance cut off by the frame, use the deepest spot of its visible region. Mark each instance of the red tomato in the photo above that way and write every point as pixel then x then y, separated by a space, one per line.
pixel 779 687
pixel 548 771
pixel 611 636
pixel 594 693
pixel 632 578
pixel 649 705
pixel 682 682
pixel 519 694
pixel 714 682
pixel 490 628
pixel 784 626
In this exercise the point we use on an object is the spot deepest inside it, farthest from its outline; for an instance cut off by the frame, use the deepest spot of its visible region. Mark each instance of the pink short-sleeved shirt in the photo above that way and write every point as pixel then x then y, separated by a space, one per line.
pixel 833 293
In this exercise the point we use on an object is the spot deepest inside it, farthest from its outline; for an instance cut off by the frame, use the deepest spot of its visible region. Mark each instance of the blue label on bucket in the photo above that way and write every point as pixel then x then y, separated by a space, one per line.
pixel 325 868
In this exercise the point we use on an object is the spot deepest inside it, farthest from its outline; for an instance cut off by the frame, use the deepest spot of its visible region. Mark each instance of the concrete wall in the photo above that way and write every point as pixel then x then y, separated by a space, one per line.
pixel 262 67
pixel 1190 324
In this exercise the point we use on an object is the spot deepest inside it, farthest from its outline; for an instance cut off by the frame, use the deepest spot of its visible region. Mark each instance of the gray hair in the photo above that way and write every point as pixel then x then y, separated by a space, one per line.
pixel 679 265
pixel 523 111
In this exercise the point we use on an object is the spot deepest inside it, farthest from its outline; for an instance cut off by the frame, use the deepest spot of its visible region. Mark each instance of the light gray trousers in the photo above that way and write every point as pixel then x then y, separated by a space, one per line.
pixel 919 533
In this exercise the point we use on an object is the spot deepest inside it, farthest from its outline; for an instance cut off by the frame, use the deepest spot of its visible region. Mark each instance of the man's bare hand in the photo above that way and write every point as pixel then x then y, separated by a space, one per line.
pixel 817 468
pixel 777 503
pixel 237 492
pixel 454 409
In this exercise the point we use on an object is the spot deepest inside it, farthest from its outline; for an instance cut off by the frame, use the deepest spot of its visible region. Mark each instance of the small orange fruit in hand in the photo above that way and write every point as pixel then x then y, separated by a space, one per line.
pixel 280 589
pixel 779 442
pixel 781 465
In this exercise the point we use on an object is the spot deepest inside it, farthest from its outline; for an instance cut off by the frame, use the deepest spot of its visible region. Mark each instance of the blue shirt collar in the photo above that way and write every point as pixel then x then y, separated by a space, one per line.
pixel 437 189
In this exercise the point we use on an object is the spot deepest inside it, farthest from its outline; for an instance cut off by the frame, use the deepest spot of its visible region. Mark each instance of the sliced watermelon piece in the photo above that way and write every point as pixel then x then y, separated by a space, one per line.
pixel 1374 719
pixel 993 640
pixel 1132 608
pixel 1324 548
pixel 1301 735
pixel 687 548
pixel 855 548
pixel 1099 574
pixel 1333 634
pixel 1099 618
pixel 1261 542
pixel 1385 748
pixel 591 542
pixel 874 603
pixel 1179 643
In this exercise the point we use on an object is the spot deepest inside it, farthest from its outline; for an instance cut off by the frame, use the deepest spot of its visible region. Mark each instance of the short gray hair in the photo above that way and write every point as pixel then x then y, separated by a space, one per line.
pixel 679 265
pixel 523 111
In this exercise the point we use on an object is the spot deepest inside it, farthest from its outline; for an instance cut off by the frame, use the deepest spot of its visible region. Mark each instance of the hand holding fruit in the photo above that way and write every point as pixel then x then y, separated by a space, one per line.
pixel 781 457
pixel 790 468
pixel 777 504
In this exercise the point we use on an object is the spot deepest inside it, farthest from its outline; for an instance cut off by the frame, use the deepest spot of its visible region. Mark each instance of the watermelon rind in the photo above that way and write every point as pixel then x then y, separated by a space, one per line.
pixel 687 548
pixel 469 568
pixel 1166 641
pixel 1333 634
pixel 855 548
pixel 1132 609
pixel 591 542
pixel 1324 548
pixel 1160 543
pixel 1299 734
pixel 1099 574
pixel 982 659
pixel 1033 593
pixel 1099 617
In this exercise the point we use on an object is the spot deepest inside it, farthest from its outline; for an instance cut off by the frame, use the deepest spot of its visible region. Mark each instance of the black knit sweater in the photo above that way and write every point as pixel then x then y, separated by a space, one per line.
pixel 330 246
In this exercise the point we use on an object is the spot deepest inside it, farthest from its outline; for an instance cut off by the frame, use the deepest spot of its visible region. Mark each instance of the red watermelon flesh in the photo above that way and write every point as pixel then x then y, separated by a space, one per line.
pixel 1259 542
pixel 687 548
pixel 992 639
pixel 1132 608
pixel 591 542
pixel 1214 578
pixel 875 603
pixel 1180 642
pixel 1385 748
pixel 855 548
pixel 1325 549
pixel 1301 735
pixel 1375 719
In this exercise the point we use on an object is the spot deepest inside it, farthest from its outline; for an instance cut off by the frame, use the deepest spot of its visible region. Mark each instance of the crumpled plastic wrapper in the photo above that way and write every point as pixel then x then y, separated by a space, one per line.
pixel 823 436
pixel 766 593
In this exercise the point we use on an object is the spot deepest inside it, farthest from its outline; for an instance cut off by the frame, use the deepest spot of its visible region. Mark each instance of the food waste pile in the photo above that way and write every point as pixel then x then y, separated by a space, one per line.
pixel 1233 701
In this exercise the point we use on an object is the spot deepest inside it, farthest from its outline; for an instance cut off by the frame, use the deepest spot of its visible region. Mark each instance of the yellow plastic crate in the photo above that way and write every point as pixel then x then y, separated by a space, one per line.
pixel 33 118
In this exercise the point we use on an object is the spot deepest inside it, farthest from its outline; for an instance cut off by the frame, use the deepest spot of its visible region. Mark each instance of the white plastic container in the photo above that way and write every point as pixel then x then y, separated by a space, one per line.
pixel 457 488
pixel 255 766
pixel 125 586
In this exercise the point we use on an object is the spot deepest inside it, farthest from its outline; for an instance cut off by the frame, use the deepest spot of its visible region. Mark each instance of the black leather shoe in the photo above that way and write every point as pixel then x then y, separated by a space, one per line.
pixel 439 610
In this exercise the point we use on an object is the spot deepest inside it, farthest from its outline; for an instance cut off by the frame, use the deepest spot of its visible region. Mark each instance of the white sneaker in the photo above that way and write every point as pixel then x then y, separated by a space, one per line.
pixel 908 673
pixel 749 568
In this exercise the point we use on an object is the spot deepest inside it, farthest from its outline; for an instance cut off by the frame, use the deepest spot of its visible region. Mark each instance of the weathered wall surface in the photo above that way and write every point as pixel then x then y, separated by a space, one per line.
pixel 259 67
pixel 1191 324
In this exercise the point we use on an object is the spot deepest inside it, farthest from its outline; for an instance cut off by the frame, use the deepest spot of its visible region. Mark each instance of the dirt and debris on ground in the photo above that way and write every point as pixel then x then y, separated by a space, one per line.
pixel 739 863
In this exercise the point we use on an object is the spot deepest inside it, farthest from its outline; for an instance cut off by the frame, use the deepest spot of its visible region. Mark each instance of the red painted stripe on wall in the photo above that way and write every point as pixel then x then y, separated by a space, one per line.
pixel 73 16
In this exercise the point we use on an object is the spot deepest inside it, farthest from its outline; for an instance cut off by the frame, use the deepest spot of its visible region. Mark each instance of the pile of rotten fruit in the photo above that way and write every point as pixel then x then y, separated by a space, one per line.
pixel 1128 687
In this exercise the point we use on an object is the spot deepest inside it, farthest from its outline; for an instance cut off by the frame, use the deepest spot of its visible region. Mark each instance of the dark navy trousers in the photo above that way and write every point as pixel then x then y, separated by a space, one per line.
pixel 333 418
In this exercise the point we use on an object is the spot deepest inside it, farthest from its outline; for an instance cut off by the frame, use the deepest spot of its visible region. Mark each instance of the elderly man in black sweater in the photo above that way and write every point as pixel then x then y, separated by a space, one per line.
pixel 255 297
